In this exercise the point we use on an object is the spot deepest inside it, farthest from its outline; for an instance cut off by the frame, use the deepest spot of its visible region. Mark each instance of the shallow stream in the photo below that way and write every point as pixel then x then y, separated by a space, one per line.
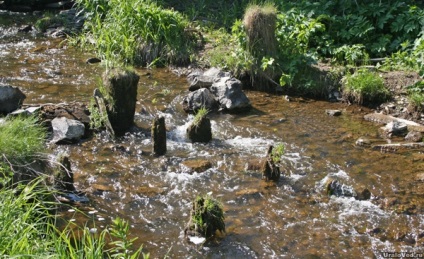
pixel 294 218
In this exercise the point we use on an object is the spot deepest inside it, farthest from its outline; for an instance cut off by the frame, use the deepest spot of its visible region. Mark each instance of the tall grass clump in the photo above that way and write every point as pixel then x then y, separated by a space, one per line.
pixel 365 87
pixel 25 221
pixel 28 230
pixel 21 139
pixel 137 32
pixel 90 243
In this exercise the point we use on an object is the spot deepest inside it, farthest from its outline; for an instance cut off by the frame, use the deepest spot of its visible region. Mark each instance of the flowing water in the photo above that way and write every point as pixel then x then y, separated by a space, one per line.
pixel 293 218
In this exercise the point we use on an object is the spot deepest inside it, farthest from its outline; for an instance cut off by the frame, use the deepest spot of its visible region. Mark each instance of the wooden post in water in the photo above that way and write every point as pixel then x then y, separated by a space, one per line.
pixel 159 136
pixel 121 95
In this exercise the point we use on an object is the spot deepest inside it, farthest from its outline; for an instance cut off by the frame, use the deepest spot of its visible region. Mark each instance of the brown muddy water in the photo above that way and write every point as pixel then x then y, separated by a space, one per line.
pixel 293 218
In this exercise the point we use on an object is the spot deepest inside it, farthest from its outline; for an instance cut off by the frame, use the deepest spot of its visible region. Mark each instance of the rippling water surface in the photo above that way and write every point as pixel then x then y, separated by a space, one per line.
pixel 293 218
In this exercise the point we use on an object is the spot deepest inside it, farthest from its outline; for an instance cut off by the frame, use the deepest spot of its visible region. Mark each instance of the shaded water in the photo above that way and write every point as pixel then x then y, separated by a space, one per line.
pixel 293 218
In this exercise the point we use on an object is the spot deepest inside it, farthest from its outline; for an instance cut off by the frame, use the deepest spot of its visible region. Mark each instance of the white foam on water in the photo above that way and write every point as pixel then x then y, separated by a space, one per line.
pixel 254 146
pixel 196 240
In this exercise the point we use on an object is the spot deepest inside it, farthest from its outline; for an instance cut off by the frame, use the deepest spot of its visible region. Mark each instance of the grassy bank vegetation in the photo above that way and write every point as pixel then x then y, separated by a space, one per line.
pixel 28 210
pixel 341 33
pixel 137 32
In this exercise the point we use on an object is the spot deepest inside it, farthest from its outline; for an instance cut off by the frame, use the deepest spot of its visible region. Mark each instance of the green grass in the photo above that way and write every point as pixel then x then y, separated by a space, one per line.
pixel 365 87
pixel 21 139
pixel 137 32
pixel 28 210
pixel 416 95
pixel 28 230
pixel 25 221
pixel 200 114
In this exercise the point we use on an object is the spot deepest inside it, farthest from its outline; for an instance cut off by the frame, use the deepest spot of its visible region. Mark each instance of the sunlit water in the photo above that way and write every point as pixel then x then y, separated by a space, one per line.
pixel 292 218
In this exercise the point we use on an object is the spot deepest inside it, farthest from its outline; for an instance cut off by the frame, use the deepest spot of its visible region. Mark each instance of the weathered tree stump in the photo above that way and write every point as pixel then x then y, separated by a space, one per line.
pixel 63 175
pixel 121 95
pixel 270 171
pixel 200 131
pixel 159 136
pixel 206 217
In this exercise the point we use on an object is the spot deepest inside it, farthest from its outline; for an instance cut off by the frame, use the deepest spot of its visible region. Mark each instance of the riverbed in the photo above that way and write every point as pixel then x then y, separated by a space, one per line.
pixel 293 218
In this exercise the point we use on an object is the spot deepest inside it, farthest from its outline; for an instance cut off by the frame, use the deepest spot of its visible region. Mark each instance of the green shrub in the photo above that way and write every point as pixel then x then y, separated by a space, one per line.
pixel 21 139
pixel 364 87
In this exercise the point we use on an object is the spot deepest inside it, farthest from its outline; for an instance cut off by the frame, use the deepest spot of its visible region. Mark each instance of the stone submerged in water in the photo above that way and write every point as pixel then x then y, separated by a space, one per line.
pixel 63 175
pixel 338 189
pixel 197 165
pixel 394 128
pixel 414 136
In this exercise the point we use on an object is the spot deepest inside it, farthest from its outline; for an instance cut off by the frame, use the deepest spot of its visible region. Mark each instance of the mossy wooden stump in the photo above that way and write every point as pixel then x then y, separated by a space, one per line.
pixel 159 136
pixel 206 217
pixel 260 23
pixel 121 95
pixel 270 171
pixel 200 131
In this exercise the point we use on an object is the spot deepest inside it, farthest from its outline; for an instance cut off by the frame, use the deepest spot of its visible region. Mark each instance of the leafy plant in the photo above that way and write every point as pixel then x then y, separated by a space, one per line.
pixel 122 245
pixel 350 55
pixel 277 153
pixel 364 86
